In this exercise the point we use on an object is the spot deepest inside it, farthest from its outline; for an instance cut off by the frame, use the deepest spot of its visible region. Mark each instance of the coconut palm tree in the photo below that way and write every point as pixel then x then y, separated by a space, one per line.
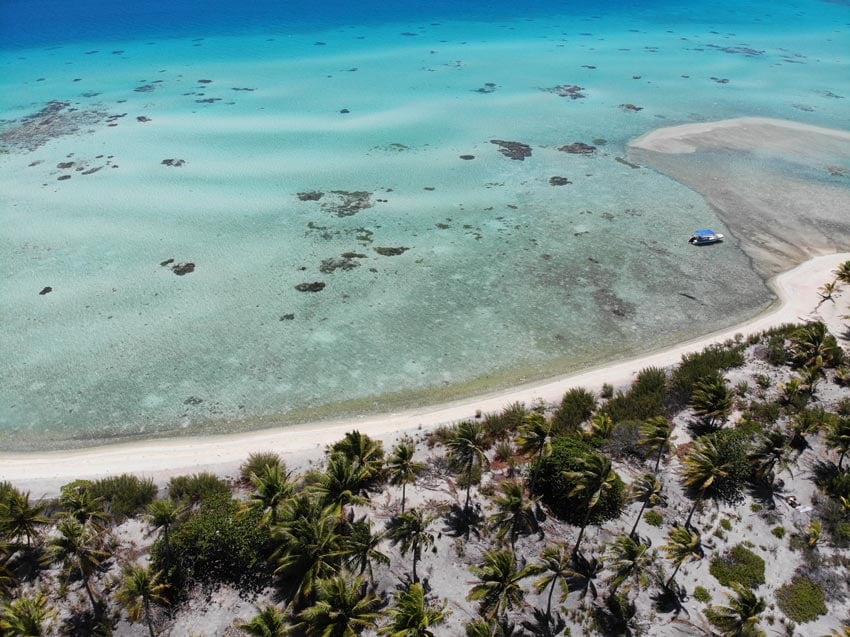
pixel 7 578
pixel 741 617
pixel 601 427
pixel 271 488
pixel 362 450
pixel 466 447
pixel 26 616
pixel 583 574
pixel 554 566
pixel 515 512
pixel 410 531
pixel 655 436
pixel 773 454
pixel 498 587
pixel 683 545
pixel 402 469
pixel 309 547
pixel 535 439
pixel 140 589
pixel 19 518
pixel 269 621
pixel 712 400
pixel 79 504
pixel 813 345
pixel 594 478
pixel 628 559
pixel 412 615
pixel 702 468
pixel 343 608
pixel 165 514
pixel 77 547
pixel 341 484
pixel 838 437
pixel 647 490
pixel 842 272
pixel 361 547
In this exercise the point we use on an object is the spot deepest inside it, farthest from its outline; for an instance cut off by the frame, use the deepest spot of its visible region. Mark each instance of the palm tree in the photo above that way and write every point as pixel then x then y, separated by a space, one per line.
pixel 593 479
pixel 361 546
pixel 341 484
pixel 7 579
pixel 466 448
pixel 842 272
pixel 410 530
pixel 712 400
pixel 655 435
pixel 402 469
pixel 140 588
pixel 76 547
pixel 269 621
pixel 498 588
pixel 773 454
pixel 412 615
pixel 271 488
pixel 515 514
pixel 309 547
pixel 79 504
pixel 534 439
pixel 838 437
pixel 19 518
pixel 628 560
pixel 647 490
pixel 702 468
pixel 741 617
pixel 813 345
pixel 165 514
pixel 364 451
pixel 601 427
pixel 26 616
pixel 343 608
pixel 683 545
pixel 555 566
pixel 583 573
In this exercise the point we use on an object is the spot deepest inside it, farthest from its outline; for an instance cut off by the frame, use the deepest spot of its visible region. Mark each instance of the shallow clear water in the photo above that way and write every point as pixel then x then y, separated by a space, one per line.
pixel 506 277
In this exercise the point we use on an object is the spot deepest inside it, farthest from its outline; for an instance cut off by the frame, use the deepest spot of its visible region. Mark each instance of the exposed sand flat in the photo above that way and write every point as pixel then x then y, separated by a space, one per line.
pixel 43 473
pixel 782 188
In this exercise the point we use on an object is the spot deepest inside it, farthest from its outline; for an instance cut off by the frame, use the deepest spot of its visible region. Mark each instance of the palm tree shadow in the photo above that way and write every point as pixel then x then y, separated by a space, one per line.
pixel 458 521
pixel 699 427
pixel 669 599
pixel 543 626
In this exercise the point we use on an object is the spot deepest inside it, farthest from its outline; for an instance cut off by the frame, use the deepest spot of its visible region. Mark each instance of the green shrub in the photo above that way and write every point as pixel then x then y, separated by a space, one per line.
pixel 219 543
pixel 726 523
pixel 198 487
pixel 124 496
pixel 607 390
pixel 576 407
pixel 555 487
pixel 502 425
pixel 755 507
pixel 701 594
pixel 653 518
pixel 763 412
pixel 801 600
pixel 643 400
pixel 778 531
pixel 257 463
pixel 738 565
pixel 777 354
pixel 698 365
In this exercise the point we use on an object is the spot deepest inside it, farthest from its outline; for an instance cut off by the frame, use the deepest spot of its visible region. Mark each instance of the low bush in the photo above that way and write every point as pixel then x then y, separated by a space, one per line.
pixel 125 495
pixel 199 487
pixel 653 518
pixel 502 425
pixel 701 594
pixel 643 400
pixel 714 359
pixel 801 600
pixel 555 487
pixel 576 407
pixel 778 531
pixel 257 463
pixel 738 565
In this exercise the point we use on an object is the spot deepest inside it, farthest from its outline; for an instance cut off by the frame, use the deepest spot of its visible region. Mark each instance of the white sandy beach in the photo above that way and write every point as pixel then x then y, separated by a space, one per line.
pixel 43 473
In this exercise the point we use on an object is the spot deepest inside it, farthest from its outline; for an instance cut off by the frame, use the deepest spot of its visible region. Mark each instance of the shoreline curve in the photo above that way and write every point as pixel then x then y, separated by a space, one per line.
pixel 44 472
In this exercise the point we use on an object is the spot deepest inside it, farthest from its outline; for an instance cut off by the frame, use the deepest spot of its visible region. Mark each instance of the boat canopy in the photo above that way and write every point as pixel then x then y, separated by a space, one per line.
pixel 705 232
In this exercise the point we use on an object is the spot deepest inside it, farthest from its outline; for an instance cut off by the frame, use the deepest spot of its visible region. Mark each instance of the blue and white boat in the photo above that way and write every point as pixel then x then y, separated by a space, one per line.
pixel 705 237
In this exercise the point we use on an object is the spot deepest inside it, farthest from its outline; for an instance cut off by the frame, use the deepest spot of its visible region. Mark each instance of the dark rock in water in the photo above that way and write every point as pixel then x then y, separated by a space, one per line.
pixel 316 286
pixel 620 160
pixel 65 164
pixel 143 119
pixel 330 266
pixel 391 252
pixel 45 290
pixel 310 196
pixel 91 171
pixel 145 88
pixel 204 81
pixel 600 141
pixel 208 100
pixel 63 177
pixel 559 181
pixel 319 43
pixel 167 262
pixel 183 268
pixel 287 317
pixel 572 91
pixel 578 148
pixel 176 163
pixel 489 87
pixel 467 157
pixel 345 203
pixel 720 80
pixel 192 400
pixel 344 111
pixel 631 107
pixel 353 255
pixel 514 150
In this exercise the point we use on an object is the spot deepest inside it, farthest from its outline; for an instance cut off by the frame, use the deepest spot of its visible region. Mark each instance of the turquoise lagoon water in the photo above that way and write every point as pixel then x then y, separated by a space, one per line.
pixel 322 144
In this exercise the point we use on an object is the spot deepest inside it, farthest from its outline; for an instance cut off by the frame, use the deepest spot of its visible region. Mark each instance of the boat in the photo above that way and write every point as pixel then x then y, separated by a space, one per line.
pixel 705 237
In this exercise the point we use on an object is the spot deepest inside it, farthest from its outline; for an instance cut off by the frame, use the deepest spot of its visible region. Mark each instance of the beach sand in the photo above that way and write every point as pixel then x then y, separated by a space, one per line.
pixel 44 473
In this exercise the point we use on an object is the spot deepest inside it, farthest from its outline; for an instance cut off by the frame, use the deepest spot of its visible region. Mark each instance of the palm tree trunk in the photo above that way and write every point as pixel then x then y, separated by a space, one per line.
pixel 549 601
pixel 658 458
pixel 637 521
pixel 403 487
pixel 88 591
pixel 670 581
pixel 691 514
pixel 148 617
pixel 841 459
pixel 536 470
pixel 415 558
pixel 466 504
pixel 581 533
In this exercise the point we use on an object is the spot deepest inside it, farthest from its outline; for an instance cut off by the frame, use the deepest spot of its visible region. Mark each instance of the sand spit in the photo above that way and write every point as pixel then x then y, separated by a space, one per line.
pixel 43 473
pixel 782 188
